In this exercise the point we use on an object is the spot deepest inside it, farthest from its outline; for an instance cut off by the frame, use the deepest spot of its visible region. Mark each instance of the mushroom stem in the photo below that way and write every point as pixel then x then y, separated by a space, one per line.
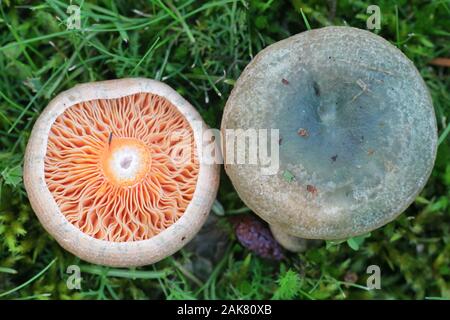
pixel 289 242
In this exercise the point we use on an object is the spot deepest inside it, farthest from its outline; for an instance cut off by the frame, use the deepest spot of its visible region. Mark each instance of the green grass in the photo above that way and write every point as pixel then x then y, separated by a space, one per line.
pixel 200 48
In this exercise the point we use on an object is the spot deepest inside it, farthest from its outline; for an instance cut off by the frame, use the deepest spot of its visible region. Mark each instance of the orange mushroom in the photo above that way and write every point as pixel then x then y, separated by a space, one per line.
pixel 113 171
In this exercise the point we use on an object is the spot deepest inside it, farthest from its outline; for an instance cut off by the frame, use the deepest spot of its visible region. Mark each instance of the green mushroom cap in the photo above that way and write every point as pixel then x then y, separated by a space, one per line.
pixel 357 132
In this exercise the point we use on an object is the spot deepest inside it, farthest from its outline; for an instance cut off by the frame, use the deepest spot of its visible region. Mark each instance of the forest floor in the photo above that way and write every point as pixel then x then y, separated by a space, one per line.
pixel 200 48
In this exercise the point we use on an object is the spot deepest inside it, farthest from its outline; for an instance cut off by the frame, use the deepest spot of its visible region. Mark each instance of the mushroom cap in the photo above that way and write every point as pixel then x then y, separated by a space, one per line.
pixel 357 132
pixel 110 175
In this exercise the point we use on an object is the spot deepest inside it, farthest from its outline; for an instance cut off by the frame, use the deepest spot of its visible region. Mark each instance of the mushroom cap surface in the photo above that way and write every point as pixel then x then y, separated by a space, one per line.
pixel 357 132
pixel 113 171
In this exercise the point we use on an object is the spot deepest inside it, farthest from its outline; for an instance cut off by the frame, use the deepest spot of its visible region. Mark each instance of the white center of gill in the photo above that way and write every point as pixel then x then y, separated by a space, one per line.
pixel 126 163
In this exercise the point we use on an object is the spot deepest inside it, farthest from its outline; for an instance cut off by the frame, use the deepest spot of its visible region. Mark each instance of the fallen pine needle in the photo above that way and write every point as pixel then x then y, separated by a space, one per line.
pixel 441 62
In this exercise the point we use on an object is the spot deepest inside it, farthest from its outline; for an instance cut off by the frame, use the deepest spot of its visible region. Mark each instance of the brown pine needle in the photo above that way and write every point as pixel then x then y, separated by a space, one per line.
pixel 441 62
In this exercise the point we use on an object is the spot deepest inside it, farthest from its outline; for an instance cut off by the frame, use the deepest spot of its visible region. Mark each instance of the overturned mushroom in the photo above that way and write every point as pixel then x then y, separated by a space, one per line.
pixel 358 133
pixel 113 172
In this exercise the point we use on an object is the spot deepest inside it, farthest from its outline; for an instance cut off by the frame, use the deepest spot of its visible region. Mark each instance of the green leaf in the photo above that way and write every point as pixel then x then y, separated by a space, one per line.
pixel 333 243
pixel 217 208
pixel 305 19
pixel 261 22
pixel 8 270
pixel 352 243
pixel 446 175
pixel 12 176
pixel 356 242
pixel 396 236
pixel 289 286
pixel 288 176
pixel 426 42
pixel 440 205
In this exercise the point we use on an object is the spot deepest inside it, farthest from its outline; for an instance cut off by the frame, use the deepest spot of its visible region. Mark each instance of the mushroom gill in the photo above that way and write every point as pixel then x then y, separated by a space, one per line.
pixel 122 169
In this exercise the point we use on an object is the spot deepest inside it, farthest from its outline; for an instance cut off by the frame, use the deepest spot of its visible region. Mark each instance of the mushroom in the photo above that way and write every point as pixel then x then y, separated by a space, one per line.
pixel 113 171
pixel 357 133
